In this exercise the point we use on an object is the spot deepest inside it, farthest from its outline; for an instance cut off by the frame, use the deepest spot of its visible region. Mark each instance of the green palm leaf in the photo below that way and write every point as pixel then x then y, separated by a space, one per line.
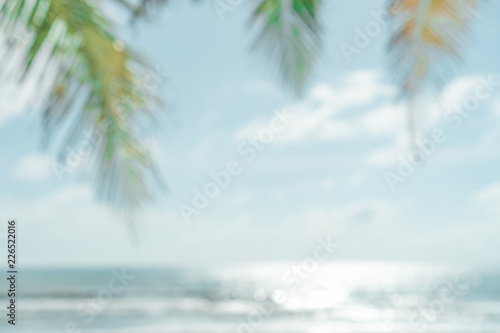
pixel 97 88
pixel 289 38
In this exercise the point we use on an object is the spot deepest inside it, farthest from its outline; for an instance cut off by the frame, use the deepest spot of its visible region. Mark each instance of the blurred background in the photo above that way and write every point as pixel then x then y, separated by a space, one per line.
pixel 335 222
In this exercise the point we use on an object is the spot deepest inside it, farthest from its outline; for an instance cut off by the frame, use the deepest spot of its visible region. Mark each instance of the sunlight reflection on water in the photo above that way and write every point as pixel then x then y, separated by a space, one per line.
pixel 335 297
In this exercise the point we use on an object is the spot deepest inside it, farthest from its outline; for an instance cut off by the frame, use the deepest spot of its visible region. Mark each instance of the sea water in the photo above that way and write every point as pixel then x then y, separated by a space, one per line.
pixel 272 297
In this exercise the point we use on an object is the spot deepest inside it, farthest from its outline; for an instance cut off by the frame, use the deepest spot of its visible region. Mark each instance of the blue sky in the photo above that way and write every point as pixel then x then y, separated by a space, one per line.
pixel 322 175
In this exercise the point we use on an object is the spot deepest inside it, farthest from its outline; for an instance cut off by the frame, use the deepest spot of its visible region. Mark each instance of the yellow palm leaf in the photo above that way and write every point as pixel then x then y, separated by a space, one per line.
pixel 428 40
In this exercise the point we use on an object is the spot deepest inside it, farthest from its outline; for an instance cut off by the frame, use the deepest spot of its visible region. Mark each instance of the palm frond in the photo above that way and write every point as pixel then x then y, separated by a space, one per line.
pixel 428 40
pixel 144 8
pixel 289 38
pixel 96 88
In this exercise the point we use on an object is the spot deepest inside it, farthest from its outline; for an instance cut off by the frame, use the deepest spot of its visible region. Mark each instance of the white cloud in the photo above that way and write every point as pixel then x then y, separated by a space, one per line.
pixel 431 110
pixel 33 168
pixel 456 90
pixel 389 119
pixel 363 87
pixel 321 114
pixel 364 108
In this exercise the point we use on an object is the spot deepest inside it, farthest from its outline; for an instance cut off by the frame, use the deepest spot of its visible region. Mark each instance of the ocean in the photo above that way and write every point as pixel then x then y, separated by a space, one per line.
pixel 278 297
